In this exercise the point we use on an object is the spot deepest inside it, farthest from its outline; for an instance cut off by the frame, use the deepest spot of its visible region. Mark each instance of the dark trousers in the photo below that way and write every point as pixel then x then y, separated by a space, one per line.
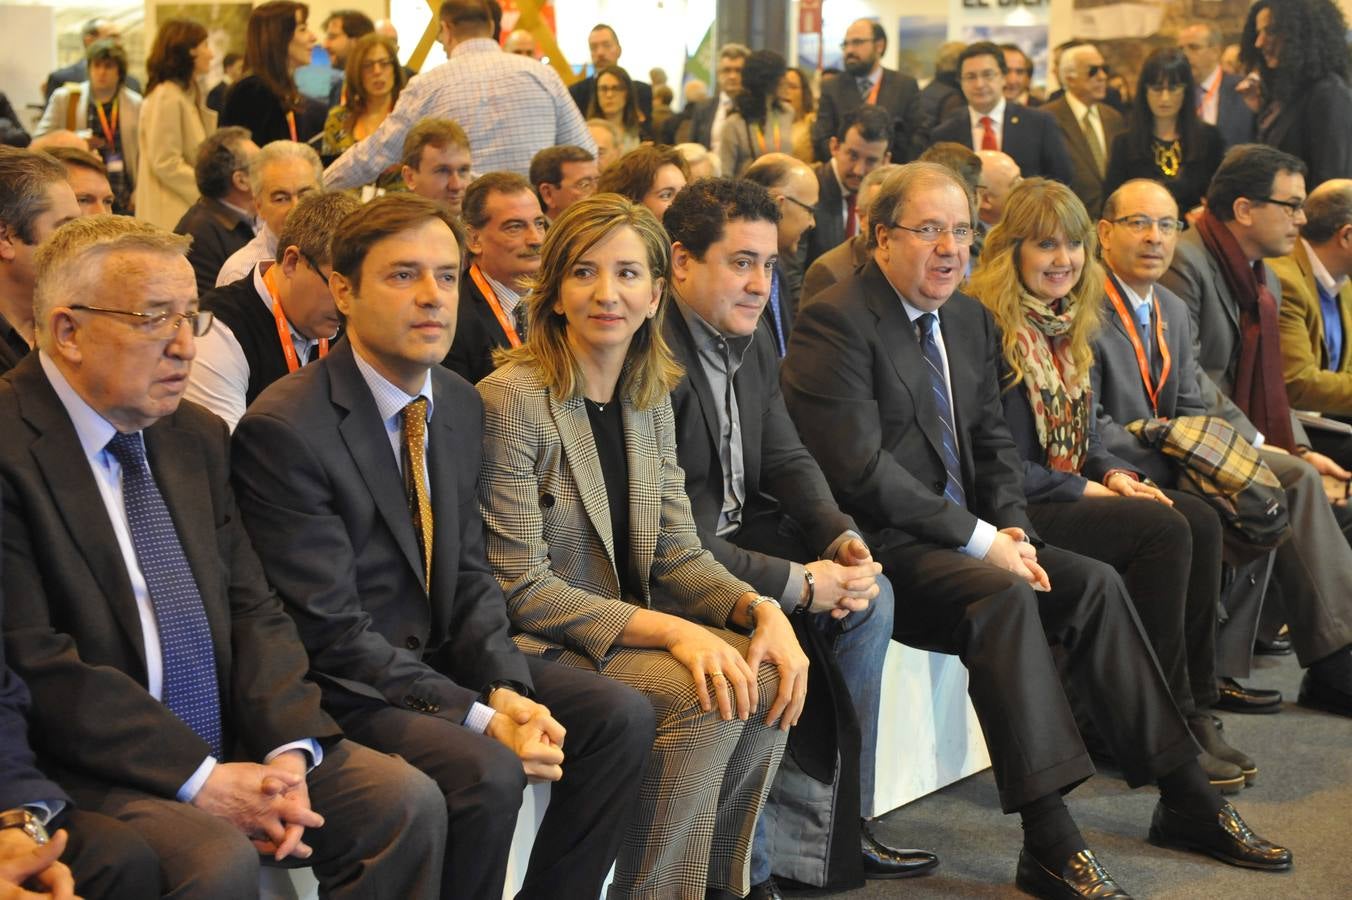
pixel 1170 561
pixel 107 858
pixel 1001 629
pixel 610 730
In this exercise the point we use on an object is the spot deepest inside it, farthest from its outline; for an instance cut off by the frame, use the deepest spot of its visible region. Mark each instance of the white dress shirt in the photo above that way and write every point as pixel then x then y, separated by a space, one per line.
pixel 262 247
pixel 997 115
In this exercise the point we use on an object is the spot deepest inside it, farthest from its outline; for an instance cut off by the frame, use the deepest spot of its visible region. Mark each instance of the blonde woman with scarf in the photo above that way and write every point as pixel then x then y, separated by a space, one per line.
pixel 1041 279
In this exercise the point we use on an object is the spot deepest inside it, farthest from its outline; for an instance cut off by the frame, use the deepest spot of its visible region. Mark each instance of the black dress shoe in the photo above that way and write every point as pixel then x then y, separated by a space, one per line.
pixel 766 890
pixel 1225 837
pixel 1215 750
pixel 1278 646
pixel 1235 697
pixel 882 861
pixel 1080 877
pixel 1315 693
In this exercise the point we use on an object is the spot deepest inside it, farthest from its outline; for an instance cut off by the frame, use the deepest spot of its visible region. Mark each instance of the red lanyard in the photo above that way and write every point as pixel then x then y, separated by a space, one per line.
pixel 284 330
pixel 487 290
pixel 1142 363
pixel 108 125
pixel 291 124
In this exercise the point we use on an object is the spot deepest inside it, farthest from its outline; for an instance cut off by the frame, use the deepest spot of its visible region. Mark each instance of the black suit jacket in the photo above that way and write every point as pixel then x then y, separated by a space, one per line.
pixel 477 335
pixel 216 232
pixel 782 479
pixel 322 496
pixel 71 625
pixel 856 385
pixel 701 116
pixel 1316 126
pixel 582 91
pixel 897 93
pixel 1030 137
pixel 1235 121
pixel 828 229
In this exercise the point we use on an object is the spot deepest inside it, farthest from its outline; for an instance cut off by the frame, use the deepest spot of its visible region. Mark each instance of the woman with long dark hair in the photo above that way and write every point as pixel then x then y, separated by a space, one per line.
pixel 372 82
pixel 762 123
pixel 266 100
pixel 615 101
pixel 174 120
pixel 1298 50
pixel 1165 140
pixel 796 90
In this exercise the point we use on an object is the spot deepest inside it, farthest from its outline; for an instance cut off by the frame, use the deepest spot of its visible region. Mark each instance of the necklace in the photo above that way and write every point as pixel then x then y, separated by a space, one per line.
pixel 600 407
pixel 1168 157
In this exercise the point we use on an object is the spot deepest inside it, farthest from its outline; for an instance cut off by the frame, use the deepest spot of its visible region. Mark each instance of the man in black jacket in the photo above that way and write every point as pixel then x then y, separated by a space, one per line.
pixel 867 81
pixel 222 219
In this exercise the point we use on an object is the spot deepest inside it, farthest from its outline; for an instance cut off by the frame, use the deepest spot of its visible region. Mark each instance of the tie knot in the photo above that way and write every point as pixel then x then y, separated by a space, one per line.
pixel 926 325
pixel 128 449
pixel 987 121
pixel 415 416
pixel 1143 314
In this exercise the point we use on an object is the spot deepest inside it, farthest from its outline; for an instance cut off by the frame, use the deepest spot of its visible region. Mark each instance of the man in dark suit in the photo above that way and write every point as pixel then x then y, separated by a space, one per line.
pixel 706 117
pixel 760 503
pixel 794 188
pixel 860 148
pixel 371 457
pixel 942 97
pixel 1253 211
pixel 131 585
pixel 892 381
pixel 1029 136
pixel 35 200
pixel 867 81
pixel 506 228
pixel 1088 124
pixel 1217 101
pixel 221 221
pixel 839 263
pixel 244 351
pixel 1018 76
pixel 604 45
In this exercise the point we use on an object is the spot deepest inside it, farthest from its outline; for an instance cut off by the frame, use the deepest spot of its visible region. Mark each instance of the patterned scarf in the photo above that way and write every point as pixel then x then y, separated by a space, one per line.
pixel 1058 391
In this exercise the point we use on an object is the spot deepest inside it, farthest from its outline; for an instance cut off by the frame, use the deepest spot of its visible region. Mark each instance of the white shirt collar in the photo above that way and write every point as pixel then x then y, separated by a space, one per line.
pixel 1210 80
pixel 997 114
pixel 1135 299
pixel 93 430
pixel 390 398
pixel 1321 272
pixel 1078 108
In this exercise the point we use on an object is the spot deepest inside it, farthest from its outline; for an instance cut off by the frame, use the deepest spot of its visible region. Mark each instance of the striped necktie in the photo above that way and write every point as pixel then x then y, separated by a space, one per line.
pixel 934 364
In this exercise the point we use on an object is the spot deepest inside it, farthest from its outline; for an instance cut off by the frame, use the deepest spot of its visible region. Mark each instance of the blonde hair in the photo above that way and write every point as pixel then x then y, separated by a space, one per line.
pixel 650 370
pixel 1036 209
pixel 70 264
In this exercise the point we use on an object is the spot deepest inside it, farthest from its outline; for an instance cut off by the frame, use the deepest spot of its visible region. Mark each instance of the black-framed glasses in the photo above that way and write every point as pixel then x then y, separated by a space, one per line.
pixel 159 325
pixel 930 234
pixel 1141 223
pixel 1093 71
pixel 1293 207
pixel 309 261
pixel 376 65
pixel 810 210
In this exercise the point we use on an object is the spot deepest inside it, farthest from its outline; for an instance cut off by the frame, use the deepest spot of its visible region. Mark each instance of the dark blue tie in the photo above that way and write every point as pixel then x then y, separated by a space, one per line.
pixel 189 687
pixel 934 363
pixel 776 320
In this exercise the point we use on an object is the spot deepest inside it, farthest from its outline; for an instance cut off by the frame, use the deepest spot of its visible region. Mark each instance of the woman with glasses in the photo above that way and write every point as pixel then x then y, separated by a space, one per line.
pixel 762 123
pixel 650 176
pixel 1040 279
pixel 266 100
pixel 371 85
pixel 615 101
pixel 1165 140
pixel 590 533
pixel 1297 50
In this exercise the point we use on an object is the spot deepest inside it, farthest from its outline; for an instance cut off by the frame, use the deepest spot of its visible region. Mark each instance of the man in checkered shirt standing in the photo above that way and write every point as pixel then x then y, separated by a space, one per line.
pixel 511 107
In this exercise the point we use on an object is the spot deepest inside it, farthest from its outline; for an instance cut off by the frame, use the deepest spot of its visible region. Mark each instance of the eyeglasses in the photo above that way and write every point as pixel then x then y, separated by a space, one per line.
pixel 159 325
pixel 376 65
pixel 309 261
pixel 930 234
pixel 1293 207
pixel 984 75
pixel 582 184
pixel 855 42
pixel 810 210
pixel 1093 71
pixel 610 89
pixel 1140 224
pixel 1165 88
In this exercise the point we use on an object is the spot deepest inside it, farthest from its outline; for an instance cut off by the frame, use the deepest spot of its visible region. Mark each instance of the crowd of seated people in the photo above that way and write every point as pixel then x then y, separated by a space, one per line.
pixel 363 470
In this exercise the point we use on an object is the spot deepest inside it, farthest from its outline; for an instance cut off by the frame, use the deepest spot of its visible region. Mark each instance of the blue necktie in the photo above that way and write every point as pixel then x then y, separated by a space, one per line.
pixel 934 362
pixel 776 323
pixel 189 689
pixel 1143 326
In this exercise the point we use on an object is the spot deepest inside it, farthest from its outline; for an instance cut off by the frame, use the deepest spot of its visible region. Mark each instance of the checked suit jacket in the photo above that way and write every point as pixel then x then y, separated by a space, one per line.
pixel 544 503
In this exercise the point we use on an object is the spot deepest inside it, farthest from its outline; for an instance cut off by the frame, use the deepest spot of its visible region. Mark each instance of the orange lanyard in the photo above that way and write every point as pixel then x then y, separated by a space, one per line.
pixel 760 138
pixel 872 98
pixel 1210 94
pixel 487 290
pixel 284 330
pixel 109 127
pixel 1142 363
pixel 291 124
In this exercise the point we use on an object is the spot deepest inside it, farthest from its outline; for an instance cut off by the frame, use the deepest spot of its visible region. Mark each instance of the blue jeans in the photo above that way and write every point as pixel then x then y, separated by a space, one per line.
pixel 860 647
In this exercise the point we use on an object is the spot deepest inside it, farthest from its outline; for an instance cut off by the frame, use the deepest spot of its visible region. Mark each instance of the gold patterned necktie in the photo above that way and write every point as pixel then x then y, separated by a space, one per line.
pixel 415 479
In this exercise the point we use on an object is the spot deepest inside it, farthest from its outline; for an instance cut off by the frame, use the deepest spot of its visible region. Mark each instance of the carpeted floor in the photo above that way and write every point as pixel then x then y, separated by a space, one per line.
pixel 1302 799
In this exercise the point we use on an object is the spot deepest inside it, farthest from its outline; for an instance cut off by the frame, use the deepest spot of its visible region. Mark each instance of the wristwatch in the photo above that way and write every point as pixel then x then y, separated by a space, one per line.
pixel 25 820
pixel 751 607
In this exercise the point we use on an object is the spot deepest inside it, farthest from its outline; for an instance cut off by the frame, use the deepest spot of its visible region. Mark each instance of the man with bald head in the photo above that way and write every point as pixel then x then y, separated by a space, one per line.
pixel 999 174
pixel 1215 97
pixel 796 191
pixel 1087 123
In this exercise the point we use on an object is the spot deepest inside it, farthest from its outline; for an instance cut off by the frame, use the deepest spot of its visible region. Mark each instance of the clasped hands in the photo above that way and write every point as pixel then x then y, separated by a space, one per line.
pixel 529 730
pixel 26 864
pixel 270 802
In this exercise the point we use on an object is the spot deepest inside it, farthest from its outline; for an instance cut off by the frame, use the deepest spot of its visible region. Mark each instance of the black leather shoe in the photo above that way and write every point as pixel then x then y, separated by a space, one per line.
pixel 1080 877
pixel 1215 751
pixel 1315 693
pixel 1235 697
pixel 882 861
pixel 1278 646
pixel 1225 837
pixel 766 890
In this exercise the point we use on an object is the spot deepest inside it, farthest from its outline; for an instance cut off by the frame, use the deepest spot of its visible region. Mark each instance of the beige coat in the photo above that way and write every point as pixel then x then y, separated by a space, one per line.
pixel 57 115
pixel 173 123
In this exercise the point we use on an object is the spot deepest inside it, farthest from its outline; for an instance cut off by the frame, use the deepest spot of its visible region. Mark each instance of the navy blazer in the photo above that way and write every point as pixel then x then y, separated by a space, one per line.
pixel 1030 136
pixel 1234 120
pixel 1316 126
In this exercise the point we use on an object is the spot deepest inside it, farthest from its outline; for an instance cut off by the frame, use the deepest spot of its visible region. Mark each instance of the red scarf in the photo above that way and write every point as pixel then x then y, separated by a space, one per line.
pixel 1259 389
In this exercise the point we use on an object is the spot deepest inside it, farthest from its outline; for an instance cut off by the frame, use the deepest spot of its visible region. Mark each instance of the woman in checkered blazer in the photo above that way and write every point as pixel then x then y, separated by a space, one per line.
pixel 589 531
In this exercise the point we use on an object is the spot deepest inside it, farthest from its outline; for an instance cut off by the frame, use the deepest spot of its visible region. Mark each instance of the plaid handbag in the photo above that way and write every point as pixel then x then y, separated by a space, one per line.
pixel 1219 466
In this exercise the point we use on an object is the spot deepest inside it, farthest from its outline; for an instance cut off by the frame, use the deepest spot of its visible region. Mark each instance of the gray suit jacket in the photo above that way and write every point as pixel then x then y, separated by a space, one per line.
pixel 1086 181
pixel 324 502
pixel 545 509
pixel 1195 277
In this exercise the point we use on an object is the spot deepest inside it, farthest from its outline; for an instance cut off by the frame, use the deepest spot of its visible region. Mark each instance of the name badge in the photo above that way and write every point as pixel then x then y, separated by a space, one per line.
pixel 114 163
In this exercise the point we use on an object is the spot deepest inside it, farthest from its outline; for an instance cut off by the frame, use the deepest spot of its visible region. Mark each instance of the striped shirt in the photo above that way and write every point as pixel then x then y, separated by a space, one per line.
pixel 511 107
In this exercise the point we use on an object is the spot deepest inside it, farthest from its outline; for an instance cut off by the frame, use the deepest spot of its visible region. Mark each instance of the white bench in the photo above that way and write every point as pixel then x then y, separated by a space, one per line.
pixel 928 738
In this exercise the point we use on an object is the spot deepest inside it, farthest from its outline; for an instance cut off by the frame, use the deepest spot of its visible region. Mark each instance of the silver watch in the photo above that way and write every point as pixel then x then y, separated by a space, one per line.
pixel 25 820
pixel 751 607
